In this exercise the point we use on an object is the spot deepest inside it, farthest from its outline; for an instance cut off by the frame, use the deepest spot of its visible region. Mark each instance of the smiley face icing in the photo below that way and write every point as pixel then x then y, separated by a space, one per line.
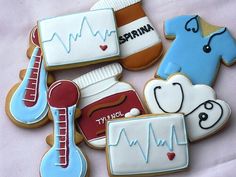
pixel 204 113
pixel 147 145
pixel 197 50
pixel 79 39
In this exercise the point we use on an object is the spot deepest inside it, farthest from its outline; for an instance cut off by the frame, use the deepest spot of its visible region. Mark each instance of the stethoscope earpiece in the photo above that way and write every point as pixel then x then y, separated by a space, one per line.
pixel 207 48
pixel 203 116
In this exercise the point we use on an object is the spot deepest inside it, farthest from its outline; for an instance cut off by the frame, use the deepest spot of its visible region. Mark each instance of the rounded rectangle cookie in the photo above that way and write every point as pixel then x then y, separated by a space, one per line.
pixel 147 145
pixel 79 39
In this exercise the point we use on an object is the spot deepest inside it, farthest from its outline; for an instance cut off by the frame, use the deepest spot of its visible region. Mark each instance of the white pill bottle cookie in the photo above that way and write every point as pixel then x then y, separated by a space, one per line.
pixel 140 44
pixel 103 98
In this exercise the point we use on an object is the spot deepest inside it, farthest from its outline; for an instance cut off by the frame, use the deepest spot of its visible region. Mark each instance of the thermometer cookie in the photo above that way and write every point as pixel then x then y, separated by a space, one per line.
pixel 64 158
pixel 26 102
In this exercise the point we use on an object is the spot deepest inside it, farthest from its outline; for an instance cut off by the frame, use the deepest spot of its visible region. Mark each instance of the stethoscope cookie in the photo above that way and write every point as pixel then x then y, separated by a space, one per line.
pixel 197 50
pixel 64 158
pixel 79 39
pixel 104 97
pixel 26 103
pixel 140 43
pixel 204 113
pixel 147 145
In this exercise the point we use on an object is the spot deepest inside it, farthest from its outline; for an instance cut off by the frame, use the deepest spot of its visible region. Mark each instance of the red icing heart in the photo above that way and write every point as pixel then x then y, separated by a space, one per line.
pixel 103 47
pixel 171 155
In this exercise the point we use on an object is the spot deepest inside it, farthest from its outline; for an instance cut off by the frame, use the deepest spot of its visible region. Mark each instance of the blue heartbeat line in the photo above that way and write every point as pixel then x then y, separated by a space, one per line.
pixel 158 142
pixel 74 37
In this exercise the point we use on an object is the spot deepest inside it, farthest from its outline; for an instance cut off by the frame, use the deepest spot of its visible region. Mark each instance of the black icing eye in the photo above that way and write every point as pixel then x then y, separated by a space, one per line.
pixel 207 48
pixel 203 116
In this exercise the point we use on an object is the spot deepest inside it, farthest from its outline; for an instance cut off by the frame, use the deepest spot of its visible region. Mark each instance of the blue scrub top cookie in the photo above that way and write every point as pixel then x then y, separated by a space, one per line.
pixel 193 54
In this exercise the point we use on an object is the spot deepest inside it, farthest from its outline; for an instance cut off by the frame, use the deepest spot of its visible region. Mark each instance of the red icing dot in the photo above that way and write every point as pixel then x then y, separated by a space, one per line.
pixel 171 155
pixel 62 94
pixel 103 47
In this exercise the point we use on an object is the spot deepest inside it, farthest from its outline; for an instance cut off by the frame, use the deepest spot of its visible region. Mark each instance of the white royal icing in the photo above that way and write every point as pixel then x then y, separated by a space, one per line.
pixel 79 38
pixel 143 30
pixel 115 4
pixel 133 112
pixel 204 113
pixel 149 144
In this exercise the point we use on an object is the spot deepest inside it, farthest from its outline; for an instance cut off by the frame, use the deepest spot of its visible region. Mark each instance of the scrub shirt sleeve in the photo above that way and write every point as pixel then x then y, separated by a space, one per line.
pixel 170 27
pixel 174 26
pixel 228 49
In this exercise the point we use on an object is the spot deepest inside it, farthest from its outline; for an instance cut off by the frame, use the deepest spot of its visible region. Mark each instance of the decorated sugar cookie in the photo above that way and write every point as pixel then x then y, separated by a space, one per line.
pixel 147 145
pixel 64 158
pixel 104 97
pixel 197 50
pixel 79 39
pixel 204 113
pixel 140 43
pixel 26 102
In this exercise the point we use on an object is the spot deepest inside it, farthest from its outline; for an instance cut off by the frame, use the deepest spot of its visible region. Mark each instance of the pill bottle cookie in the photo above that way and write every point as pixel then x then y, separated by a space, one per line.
pixel 104 97
pixel 140 43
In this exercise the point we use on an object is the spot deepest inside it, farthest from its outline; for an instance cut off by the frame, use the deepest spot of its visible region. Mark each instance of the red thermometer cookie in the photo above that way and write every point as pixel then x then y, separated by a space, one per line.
pixel 64 158
pixel 26 103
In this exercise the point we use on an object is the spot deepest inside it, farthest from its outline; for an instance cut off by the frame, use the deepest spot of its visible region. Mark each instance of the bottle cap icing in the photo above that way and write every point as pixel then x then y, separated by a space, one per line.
pixel 106 72
pixel 65 39
pixel 148 144
pixel 115 4
pixel 204 113
pixel 104 97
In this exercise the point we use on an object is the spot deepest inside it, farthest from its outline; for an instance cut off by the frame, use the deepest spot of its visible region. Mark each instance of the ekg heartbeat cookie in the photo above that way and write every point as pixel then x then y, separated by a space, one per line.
pixel 64 158
pixel 147 145
pixel 26 102
pixel 197 50
pixel 140 43
pixel 204 113
pixel 79 39
pixel 104 97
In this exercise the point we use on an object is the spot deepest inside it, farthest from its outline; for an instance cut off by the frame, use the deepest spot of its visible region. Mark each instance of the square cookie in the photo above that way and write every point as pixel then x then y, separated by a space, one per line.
pixel 79 39
pixel 147 145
